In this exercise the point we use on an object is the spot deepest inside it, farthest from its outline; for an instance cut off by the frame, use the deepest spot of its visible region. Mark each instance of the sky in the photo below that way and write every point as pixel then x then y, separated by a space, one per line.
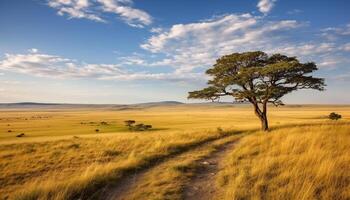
pixel 133 51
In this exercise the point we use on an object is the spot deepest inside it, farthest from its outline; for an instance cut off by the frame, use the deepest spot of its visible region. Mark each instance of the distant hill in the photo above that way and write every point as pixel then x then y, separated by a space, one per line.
pixel 35 105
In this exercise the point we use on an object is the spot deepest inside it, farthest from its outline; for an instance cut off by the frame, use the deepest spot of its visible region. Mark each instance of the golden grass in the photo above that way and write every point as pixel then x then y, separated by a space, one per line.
pixel 60 157
pixel 300 162
pixel 43 168
pixel 166 180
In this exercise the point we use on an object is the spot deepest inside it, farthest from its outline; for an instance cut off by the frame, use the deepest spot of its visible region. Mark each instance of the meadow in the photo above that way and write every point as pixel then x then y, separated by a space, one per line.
pixel 62 156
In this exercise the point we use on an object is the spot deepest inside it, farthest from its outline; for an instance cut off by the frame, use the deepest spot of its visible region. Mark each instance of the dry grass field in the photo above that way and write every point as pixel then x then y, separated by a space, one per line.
pixel 61 156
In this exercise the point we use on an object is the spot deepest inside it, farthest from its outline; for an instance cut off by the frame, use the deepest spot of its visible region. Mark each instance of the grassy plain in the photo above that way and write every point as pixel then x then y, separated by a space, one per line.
pixel 302 162
pixel 61 154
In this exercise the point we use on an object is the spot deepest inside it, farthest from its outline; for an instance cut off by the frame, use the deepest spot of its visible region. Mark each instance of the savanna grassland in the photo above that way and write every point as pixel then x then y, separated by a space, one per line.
pixel 62 156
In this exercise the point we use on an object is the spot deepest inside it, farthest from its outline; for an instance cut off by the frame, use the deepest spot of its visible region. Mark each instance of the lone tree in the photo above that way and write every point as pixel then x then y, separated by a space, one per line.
pixel 334 116
pixel 258 78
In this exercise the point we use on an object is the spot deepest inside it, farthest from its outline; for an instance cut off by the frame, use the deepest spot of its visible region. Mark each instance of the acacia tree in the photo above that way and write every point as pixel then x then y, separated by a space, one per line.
pixel 258 78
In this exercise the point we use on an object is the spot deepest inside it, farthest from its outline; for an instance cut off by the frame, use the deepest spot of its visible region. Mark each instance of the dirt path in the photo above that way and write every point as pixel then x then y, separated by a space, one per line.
pixel 125 189
pixel 202 185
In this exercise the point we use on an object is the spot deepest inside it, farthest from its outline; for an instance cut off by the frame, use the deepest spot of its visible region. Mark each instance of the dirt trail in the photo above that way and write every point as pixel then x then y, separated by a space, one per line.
pixel 124 189
pixel 202 185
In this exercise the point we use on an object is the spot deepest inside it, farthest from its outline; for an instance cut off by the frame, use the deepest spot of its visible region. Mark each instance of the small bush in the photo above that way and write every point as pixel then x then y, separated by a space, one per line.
pixel 104 123
pixel 129 123
pixel 20 135
pixel 9 131
pixel 148 127
pixel 97 130
pixel 137 127
pixel 334 116
pixel 142 127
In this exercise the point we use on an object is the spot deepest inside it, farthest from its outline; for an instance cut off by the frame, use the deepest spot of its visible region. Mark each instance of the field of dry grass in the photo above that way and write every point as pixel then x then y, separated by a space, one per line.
pixel 61 155
pixel 300 162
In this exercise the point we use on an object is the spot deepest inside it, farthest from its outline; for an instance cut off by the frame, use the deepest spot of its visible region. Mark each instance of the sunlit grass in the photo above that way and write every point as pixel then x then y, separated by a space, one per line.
pixel 300 162
pixel 60 157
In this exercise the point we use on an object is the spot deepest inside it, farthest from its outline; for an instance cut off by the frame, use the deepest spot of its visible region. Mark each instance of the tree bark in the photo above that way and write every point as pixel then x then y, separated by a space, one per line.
pixel 264 123
pixel 262 115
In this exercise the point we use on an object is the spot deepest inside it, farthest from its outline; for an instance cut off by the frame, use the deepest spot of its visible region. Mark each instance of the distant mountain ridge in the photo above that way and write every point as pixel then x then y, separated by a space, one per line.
pixel 72 105
pixel 137 106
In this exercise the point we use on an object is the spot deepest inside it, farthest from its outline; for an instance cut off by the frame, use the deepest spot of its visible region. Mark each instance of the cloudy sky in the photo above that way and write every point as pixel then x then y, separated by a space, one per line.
pixel 130 51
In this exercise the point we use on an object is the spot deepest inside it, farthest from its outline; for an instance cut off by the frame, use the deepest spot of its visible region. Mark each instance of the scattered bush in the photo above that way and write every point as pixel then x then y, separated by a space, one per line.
pixel 104 123
pixel 129 123
pixel 334 116
pixel 137 127
pixel 148 126
pixel 9 131
pixel 97 130
pixel 20 135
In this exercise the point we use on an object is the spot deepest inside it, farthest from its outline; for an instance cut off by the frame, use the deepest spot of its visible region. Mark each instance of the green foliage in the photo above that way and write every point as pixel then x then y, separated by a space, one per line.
pixel 258 78
pixel 334 116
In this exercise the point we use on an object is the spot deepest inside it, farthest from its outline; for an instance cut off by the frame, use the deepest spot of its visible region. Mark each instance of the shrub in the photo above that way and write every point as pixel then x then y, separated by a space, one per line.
pixel 137 127
pixel 129 123
pixel 148 127
pixel 20 135
pixel 334 116
pixel 97 130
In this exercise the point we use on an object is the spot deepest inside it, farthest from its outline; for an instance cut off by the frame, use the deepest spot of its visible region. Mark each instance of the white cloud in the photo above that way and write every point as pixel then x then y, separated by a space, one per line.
pixel 156 30
pixel 33 50
pixel 133 17
pixel 195 45
pixel 75 9
pixel 92 10
pixel 305 49
pixel 265 6
pixel 52 66
pixel 335 33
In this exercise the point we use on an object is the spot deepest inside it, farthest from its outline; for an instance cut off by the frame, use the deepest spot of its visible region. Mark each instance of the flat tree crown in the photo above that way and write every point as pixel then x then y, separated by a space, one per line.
pixel 258 78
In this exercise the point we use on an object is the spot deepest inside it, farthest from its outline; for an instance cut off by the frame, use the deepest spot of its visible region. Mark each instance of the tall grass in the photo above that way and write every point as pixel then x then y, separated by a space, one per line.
pixel 302 162
pixel 61 157
pixel 89 166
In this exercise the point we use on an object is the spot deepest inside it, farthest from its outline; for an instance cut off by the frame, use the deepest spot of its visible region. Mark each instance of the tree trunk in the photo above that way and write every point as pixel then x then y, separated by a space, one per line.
pixel 262 115
pixel 264 123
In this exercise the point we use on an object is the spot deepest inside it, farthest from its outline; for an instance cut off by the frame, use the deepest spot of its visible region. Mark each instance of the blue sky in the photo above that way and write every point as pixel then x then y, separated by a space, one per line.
pixel 130 51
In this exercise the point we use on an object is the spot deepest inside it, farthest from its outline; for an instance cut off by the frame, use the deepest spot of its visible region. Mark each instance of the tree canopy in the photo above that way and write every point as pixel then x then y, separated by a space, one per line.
pixel 258 78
